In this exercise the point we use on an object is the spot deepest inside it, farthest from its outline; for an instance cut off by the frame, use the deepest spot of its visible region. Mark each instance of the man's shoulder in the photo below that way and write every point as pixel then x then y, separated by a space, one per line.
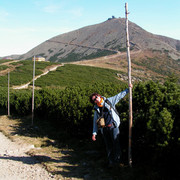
pixel 108 101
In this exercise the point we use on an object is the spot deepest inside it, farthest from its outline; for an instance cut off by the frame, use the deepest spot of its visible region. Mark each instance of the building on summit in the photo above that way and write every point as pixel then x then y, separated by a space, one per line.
pixel 39 58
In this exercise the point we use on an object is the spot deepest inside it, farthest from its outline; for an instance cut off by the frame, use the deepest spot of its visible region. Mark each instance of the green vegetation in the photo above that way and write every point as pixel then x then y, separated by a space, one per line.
pixel 99 53
pixel 120 48
pixel 110 43
pixel 164 67
pixel 4 60
pixel 55 57
pixel 76 57
pixel 3 67
pixel 156 107
pixel 70 57
pixel 50 50
pixel 70 75
pixel 178 46
pixel 63 106
pixel 23 72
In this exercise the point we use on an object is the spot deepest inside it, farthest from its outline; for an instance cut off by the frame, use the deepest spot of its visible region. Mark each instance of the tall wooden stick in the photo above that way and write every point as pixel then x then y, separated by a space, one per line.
pixel 130 88
pixel 33 92
pixel 8 94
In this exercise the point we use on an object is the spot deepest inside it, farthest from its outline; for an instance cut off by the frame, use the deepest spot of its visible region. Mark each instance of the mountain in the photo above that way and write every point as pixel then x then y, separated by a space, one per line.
pixel 102 39
pixel 153 56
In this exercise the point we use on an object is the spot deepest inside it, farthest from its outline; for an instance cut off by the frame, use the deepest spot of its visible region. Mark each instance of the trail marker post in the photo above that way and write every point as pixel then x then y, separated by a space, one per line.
pixel 33 91
pixel 8 94
pixel 130 88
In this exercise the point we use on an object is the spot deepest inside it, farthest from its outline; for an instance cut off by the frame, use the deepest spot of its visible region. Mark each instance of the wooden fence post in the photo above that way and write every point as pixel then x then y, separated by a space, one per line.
pixel 8 94
pixel 33 92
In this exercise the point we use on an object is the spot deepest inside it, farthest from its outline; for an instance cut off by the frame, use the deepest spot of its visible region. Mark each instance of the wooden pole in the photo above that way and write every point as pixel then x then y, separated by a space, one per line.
pixel 33 92
pixel 130 88
pixel 8 94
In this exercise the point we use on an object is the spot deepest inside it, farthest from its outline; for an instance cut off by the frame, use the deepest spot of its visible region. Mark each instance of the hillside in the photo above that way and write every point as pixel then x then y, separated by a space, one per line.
pixel 54 75
pixel 146 65
pixel 102 39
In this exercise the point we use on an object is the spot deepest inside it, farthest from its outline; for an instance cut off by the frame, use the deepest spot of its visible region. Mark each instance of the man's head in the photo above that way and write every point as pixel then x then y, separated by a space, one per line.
pixel 95 98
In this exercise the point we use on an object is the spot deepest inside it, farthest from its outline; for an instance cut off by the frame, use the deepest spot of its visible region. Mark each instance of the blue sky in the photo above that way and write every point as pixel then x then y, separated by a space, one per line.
pixel 25 24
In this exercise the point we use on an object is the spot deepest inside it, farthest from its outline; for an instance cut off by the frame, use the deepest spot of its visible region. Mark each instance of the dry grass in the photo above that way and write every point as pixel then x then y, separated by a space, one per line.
pixel 142 67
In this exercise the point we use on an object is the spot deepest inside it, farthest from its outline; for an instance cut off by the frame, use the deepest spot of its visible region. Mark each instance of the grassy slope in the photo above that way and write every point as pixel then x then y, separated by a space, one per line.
pixel 22 72
pixel 70 75
pixel 66 75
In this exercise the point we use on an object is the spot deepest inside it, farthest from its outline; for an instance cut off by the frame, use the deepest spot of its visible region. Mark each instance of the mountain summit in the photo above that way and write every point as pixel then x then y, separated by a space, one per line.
pixel 102 39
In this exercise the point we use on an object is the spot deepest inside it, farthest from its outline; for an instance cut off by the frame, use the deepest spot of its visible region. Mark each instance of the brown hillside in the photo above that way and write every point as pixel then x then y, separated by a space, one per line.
pixel 95 39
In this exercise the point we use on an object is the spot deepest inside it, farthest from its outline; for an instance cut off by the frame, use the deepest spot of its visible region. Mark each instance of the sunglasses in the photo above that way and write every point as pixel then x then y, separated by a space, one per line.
pixel 94 99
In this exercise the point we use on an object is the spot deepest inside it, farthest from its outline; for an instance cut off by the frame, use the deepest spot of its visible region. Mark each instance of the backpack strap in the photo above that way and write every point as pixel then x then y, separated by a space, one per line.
pixel 100 112
pixel 109 103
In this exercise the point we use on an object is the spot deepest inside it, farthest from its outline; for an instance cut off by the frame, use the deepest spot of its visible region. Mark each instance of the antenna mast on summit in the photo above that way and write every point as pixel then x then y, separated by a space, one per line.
pixel 130 88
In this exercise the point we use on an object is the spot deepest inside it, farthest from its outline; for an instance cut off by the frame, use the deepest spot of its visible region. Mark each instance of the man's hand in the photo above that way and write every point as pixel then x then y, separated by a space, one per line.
pixel 130 85
pixel 94 137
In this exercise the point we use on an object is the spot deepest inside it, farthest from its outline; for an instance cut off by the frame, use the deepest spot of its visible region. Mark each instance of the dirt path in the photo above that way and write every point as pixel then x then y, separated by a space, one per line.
pixel 46 71
pixel 11 68
pixel 16 164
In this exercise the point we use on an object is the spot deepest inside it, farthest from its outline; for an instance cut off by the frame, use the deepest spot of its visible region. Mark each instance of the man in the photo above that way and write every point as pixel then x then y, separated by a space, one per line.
pixel 105 108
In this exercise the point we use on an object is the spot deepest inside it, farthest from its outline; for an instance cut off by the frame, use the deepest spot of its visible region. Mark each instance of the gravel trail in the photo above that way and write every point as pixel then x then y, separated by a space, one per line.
pixel 15 164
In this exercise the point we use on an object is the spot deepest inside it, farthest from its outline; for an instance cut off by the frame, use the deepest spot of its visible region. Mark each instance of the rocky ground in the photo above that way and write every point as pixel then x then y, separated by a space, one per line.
pixel 16 164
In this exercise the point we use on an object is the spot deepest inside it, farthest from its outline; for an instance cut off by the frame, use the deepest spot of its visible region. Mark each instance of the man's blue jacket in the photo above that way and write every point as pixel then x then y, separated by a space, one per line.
pixel 114 100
